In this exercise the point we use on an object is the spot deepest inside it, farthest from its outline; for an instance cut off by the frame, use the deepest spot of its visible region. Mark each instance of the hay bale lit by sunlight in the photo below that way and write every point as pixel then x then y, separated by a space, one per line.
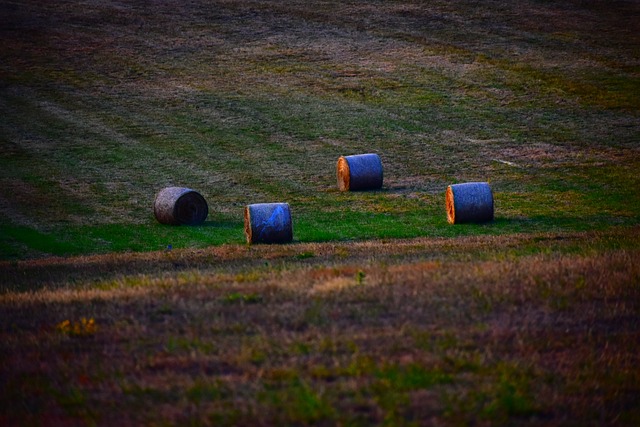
pixel 180 206
pixel 268 223
pixel 469 202
pixel 359 172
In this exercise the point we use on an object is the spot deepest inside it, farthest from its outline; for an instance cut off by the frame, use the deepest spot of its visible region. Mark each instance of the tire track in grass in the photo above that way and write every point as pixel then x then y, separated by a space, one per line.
pixel 139 170
pixel 32 177
pixel 227 135
pixel 222 152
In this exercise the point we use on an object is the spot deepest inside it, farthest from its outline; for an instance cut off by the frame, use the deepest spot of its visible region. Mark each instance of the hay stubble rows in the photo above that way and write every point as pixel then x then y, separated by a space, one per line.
pixel 104 104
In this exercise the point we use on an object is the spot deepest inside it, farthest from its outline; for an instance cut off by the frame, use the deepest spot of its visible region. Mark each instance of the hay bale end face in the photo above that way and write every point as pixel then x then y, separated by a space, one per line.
pixel 359 172
pixel 268 223
pixel 180 206
pixel 469 202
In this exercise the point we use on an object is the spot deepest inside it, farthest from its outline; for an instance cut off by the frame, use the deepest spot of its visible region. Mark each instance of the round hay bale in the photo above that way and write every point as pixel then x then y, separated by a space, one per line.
pixel 469 202
pixel 178 205
pixel 268 223
pixel 359 172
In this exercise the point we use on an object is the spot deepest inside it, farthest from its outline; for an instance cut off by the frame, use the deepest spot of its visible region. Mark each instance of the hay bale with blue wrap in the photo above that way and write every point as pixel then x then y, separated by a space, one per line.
pixel 471 202
pixel 359 172
pixel 268 223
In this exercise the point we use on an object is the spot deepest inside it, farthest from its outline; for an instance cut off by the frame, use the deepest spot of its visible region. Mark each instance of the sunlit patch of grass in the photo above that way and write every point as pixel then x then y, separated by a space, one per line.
pixel 305 255
pixel 251 276
pixel 81 328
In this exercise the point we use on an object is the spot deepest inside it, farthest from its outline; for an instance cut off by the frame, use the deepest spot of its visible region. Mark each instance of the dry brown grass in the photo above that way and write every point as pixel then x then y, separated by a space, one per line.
pixel 62 271
pixel 451 331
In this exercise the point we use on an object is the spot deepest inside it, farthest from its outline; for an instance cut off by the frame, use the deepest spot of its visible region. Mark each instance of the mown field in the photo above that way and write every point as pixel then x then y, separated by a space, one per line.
pixel 379 312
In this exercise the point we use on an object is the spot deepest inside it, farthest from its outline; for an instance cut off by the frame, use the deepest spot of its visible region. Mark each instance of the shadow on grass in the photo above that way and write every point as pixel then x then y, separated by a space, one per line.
pixel 221 224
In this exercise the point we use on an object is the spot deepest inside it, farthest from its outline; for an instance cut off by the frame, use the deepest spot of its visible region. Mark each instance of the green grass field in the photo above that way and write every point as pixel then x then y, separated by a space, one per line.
pixel 380 312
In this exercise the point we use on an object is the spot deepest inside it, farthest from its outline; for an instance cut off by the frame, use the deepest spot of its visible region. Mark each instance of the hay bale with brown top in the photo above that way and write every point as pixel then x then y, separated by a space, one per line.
pixel 268 223
pixel 469 202
pixel 180 206
pixel 359 172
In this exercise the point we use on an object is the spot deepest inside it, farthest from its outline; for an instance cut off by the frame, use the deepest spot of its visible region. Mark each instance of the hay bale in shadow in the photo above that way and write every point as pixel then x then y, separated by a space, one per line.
pixel 268 223
pixel 359 172
pixel 180 206
pixel 469 202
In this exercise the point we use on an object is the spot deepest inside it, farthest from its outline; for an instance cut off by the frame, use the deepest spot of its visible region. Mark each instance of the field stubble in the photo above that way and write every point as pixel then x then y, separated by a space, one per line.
pixel 527 329
pixel 104 104
pixel 532 319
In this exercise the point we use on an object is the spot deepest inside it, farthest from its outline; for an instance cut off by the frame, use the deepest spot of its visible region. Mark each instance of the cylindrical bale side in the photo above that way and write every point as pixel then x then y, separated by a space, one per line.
pixel 268 223
pixel 180 206
pixel 469 202
pixel 359 172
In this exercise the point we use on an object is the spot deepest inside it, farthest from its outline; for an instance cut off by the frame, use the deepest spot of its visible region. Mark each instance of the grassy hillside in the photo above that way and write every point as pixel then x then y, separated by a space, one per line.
pixel 379 313
pixel 102 104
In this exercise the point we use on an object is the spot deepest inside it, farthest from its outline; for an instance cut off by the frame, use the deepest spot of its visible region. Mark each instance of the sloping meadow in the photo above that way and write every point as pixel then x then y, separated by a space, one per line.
pixel 104 103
